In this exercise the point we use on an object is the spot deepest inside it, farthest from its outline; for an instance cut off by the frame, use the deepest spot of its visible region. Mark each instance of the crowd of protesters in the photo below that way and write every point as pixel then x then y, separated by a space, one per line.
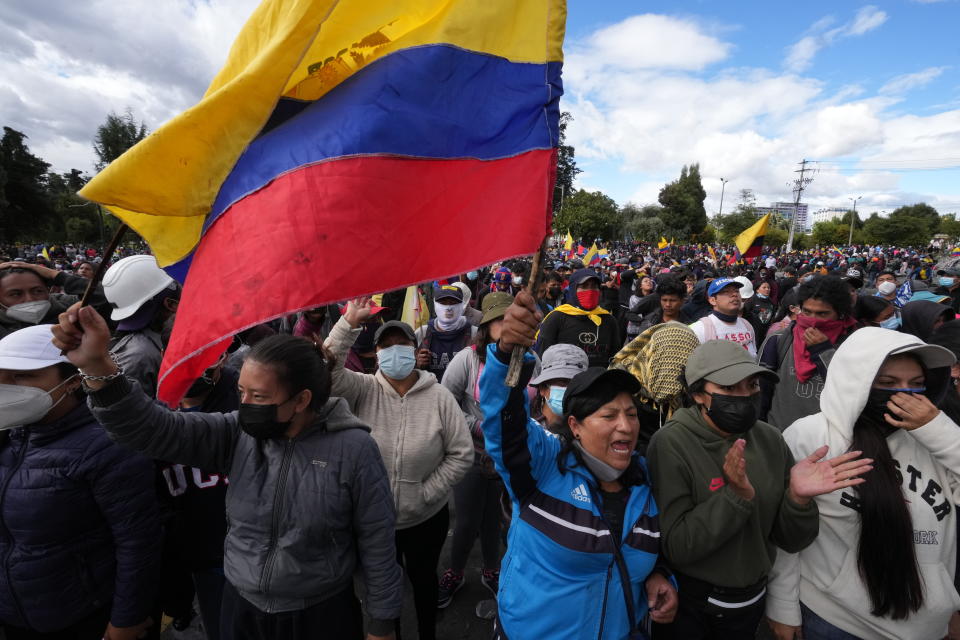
pixel 698 444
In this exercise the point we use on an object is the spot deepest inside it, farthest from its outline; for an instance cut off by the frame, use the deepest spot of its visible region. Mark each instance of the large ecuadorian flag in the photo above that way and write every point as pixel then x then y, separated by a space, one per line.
pixel 749 243
pixel 346 147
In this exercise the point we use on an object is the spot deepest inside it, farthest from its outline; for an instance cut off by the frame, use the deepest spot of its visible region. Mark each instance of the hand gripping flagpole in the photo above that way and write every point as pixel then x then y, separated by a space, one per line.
pixel 516 358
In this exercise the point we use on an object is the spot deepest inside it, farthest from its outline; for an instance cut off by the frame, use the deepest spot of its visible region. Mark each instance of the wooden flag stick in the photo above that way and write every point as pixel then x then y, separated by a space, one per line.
pixel 104 263
pixel 516 358
pixel 101 268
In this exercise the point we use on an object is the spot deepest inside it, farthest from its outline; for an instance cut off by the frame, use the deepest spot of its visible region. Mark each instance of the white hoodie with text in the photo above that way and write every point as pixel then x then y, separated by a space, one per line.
pixel 825 575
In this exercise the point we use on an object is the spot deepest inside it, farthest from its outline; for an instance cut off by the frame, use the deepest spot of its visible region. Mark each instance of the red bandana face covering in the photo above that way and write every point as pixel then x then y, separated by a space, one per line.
pixel 588 299
pixel 833 329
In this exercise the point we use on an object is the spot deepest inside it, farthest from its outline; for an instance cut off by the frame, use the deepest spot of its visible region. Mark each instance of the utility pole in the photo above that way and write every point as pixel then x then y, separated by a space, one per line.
pixel 723 181
pixel 798 186
pixel 853 220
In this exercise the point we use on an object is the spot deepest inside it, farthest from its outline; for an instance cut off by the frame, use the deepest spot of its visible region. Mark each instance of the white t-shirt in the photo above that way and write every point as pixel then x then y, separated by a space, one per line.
pixel 771 262
pixel 740 332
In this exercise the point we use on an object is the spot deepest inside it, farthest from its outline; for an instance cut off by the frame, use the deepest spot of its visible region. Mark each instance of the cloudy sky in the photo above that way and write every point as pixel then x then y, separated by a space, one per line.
pixel 746 88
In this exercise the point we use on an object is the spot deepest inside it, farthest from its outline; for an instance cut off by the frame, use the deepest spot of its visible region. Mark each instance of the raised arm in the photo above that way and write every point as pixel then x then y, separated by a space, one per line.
pixel 204 440
pixel 521 450
pixel 349 385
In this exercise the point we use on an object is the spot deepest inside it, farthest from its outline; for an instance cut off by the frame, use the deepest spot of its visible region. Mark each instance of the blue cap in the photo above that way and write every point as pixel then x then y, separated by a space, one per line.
pixel 719 284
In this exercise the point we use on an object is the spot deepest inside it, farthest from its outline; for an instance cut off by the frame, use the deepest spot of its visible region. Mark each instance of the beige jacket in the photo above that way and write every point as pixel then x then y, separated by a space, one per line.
pixel 422 435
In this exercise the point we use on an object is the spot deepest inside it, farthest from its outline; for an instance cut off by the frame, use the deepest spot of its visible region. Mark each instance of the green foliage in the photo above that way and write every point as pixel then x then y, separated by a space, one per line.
pixel 115 136
pixel 922 212
pixel 950 226
pixel 643 223
pixel 835 232
pixel 566 165
pixel 777 237
pixel 588 216
pixel 682 201
pixel 902 228
pixel 734 224
pixel 25 210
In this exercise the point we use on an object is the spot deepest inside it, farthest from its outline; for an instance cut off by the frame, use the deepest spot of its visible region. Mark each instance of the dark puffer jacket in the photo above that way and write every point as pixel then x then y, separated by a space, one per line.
pixel 78 526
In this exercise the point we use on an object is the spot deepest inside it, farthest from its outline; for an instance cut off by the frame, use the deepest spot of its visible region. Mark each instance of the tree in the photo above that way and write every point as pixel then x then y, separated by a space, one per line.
pixel 682 201
pixel 733 224
pixel 643 223
pixel 115 136
pixel 567 169
pixel 748 202
pixel 949 225
pixel 590 215
pixel 25 210
pixel 831 232
pixel 921 212
pixel 901 229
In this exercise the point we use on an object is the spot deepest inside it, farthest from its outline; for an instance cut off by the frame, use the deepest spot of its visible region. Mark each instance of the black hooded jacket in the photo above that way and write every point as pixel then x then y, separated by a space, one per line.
pixel 919 316
pixel 600 343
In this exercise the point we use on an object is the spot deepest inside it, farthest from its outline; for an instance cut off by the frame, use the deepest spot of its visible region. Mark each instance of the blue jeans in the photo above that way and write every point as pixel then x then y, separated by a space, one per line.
pixel 816 628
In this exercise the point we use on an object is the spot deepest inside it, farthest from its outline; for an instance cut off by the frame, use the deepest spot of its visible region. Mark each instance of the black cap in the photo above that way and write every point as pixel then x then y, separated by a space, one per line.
pixel 583 382
pixel 395 324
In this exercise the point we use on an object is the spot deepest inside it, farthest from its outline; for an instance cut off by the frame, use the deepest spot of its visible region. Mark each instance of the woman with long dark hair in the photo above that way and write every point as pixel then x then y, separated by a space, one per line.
pixel 883 563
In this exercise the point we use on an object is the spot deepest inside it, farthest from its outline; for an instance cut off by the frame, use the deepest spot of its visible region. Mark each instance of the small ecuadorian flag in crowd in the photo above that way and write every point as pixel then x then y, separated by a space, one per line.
pixel 749 244
pixel 568 246
pixel 956 252
pixel 340 138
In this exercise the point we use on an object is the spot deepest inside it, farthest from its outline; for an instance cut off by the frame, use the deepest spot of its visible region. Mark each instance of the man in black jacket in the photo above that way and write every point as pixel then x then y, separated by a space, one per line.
pixel 582 322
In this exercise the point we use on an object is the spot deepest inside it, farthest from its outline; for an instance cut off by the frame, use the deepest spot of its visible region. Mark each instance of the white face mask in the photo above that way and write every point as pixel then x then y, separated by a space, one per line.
pixel 886 288
pixel 447 314
pixel 30 312
pixel 21 406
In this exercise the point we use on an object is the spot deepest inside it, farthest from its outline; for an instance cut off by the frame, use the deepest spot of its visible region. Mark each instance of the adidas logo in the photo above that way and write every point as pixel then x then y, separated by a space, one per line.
pixel 580 493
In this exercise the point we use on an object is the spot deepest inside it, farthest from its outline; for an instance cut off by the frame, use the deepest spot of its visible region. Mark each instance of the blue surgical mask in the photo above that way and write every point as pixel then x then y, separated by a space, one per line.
pixel 472 275
pixel 944 281
pixel 893 322
pixel 397 362
pixel 555 400
pixel 762 296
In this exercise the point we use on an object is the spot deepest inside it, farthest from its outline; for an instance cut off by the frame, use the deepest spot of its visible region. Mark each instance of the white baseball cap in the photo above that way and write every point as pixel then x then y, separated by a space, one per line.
pixel 29 349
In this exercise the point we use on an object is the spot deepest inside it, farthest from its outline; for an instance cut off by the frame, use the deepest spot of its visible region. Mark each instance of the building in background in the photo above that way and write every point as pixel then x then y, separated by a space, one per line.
pixel 829 214
pixel 785 210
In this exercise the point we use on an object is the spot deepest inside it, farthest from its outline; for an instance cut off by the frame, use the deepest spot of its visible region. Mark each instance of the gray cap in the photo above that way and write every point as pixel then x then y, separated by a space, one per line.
pixel 932 355
pixel 722 362
pixel 561 362
pixel 394 324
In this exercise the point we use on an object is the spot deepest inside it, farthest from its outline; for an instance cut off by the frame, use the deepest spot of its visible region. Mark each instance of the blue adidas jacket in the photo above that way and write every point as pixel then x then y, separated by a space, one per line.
pixel 559 578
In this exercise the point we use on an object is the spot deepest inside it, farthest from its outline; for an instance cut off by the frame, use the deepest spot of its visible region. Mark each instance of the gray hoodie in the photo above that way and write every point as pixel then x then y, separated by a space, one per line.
pixel 301 513
pixel 422 435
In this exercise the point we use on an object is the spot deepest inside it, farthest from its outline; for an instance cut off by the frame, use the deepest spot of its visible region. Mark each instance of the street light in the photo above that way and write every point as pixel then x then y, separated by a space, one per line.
pixel 853 219
pixel 723 182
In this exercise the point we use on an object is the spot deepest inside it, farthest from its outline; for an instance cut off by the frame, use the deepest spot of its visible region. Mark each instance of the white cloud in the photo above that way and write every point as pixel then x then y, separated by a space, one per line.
pixel 867 19
pixel 748 125
pixel 800 55
pixel 656 42
pixel 66 65
pixel 908 81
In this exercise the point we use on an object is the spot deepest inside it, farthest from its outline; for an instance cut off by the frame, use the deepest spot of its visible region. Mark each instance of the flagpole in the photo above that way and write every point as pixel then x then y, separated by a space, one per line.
pixel 101 268
pixel 516 358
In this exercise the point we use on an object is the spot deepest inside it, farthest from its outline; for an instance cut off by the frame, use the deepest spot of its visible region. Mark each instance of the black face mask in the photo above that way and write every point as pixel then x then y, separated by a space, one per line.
pixel 733 414
pixel 260 421
pixel 554 292
pixel 876 407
